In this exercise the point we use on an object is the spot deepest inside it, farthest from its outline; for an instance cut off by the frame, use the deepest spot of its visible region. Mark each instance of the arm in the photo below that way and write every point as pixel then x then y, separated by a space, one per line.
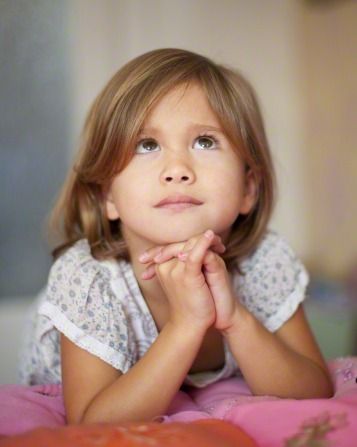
pixel 286 363
pixel 95 392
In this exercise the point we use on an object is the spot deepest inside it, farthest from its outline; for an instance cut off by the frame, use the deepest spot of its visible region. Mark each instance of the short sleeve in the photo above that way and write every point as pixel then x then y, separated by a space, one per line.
pixel 273 283
pixel 80 303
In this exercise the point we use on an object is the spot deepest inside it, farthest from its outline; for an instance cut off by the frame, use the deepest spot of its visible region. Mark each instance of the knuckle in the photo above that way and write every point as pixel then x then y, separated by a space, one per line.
pixel 191 243
pixel 168 268
pixel 221 262
pixel 160 269
pixel 214 257
pixel 176 273
pixel 211 256
pixel 191 258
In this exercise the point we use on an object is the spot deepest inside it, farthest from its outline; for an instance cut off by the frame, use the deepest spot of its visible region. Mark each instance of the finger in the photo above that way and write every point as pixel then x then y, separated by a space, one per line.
pixel 191 242
pixel 194 260
pixel 149 272
pixel 215 240
pixel 173 250
pixel 221 248
pixel 211 264
pixel 212 267
pixel 149 254
pixel 169 254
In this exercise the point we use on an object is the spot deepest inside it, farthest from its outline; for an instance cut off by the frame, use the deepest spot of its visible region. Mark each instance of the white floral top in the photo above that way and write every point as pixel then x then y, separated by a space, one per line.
pixel 98 305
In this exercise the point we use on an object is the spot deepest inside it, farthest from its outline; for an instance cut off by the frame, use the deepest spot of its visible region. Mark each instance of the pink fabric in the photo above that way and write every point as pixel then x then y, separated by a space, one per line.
pixel 270 421
pixel 211 402
pixel 24 408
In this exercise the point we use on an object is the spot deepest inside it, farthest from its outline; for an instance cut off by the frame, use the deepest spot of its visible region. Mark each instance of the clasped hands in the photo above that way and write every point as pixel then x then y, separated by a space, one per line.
pixel 195 280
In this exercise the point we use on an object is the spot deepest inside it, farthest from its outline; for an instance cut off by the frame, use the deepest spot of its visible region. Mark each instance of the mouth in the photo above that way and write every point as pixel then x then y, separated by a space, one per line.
pixel 178 202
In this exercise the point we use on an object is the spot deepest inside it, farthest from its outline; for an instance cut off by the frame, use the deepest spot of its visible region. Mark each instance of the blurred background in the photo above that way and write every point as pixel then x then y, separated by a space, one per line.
pixel 301 57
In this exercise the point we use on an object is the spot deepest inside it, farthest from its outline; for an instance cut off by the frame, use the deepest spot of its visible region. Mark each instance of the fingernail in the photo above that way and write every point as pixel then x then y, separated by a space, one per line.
pixel 143 257
pixel 144 274
pixel 209 234
pixel 183 254
pixel 158 256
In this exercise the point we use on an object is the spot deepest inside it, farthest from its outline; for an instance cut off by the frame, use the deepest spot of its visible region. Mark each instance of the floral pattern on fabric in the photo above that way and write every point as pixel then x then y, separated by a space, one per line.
pixel 98 305
pixel 314 431
pixel 274 282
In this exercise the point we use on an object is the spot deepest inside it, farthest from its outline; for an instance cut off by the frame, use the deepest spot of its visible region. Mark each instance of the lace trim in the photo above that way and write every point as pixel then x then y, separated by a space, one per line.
pixel 291 303
pixel 83 340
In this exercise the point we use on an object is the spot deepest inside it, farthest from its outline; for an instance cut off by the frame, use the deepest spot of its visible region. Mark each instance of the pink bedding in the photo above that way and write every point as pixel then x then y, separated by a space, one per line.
pixel 267 420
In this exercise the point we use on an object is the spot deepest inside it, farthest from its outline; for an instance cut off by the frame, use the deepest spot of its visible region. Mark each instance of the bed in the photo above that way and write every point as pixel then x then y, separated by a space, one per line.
pixel 216 418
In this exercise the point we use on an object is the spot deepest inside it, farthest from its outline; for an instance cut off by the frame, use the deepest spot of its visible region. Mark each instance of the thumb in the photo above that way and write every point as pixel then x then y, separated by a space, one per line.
pixel 212 263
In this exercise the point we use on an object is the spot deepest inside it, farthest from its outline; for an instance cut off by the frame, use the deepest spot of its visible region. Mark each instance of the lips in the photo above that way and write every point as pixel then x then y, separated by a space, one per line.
pixel 178 198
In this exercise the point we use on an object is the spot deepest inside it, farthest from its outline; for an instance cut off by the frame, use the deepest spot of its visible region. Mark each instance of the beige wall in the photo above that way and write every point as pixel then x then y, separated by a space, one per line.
pixel 330 50
pixel 281 46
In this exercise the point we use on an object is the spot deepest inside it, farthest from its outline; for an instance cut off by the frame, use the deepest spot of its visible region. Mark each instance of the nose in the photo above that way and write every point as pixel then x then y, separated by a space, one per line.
pixel 178 171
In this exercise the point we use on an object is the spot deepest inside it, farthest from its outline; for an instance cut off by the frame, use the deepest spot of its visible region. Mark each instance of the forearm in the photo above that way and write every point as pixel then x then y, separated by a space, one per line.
pixel 270 367
pixel 148 388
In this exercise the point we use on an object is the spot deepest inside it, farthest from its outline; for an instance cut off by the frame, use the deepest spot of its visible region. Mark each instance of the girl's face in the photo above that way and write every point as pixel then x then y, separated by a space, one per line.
pixel 181 151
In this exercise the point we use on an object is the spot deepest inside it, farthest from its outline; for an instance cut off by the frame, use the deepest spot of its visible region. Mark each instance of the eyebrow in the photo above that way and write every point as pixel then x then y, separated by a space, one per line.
pixel 196 127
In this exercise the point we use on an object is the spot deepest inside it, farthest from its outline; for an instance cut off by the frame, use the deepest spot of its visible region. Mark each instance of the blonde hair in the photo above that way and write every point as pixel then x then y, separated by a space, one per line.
pixel 110 133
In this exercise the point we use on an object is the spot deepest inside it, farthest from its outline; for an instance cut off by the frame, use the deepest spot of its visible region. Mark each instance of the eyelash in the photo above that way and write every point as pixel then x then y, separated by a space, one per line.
pixel 208 135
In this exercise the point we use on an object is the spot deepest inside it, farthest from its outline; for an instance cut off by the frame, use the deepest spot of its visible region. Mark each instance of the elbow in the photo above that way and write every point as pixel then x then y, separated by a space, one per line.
pixel 326 388
pixel 90 417
pixel 325 391
pixel 322 389
pixel 329 388
pixel 76 419
pixel 317 386
pixel 96 417
pixel 82 418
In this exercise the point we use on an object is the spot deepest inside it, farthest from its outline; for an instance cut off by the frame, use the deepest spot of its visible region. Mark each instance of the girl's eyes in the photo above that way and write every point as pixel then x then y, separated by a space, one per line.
pixel 204 142
pixel 145 146
pixel 208 141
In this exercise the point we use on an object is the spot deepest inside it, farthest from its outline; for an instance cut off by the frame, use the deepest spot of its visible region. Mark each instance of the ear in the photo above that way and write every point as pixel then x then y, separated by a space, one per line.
pixel 250 191
pixel 110 208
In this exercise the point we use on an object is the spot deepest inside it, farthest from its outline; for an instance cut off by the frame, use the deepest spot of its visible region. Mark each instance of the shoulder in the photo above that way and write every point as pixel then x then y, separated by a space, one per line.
pixel 81 303
pixel 76 278
pixel 274 280
pixel 76 264
pixel 272 247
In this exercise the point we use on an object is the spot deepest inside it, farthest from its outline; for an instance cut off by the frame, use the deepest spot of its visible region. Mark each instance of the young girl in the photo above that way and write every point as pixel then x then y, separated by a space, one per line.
pixel 167 275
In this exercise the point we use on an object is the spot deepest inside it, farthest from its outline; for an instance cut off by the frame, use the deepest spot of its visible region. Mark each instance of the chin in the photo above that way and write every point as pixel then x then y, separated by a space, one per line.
pixel 178 235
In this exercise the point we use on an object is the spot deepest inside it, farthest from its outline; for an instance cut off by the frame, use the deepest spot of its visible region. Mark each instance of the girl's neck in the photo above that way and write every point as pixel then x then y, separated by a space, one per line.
pixel 150 289
pixel 152 293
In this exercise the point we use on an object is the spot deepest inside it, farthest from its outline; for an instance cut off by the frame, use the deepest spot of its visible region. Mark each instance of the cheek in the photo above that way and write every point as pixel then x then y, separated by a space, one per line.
pixel 131 193
pixel 228 180
pixel 129 185
pixel 228 191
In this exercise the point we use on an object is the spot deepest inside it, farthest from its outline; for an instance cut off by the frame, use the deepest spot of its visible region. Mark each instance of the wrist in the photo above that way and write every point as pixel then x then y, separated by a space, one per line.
pixel 186 330
pixel 241 321
pixel 190 324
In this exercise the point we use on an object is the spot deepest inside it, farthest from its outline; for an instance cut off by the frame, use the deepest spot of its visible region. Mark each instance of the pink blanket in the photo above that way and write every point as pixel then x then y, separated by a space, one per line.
pixel 268 420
